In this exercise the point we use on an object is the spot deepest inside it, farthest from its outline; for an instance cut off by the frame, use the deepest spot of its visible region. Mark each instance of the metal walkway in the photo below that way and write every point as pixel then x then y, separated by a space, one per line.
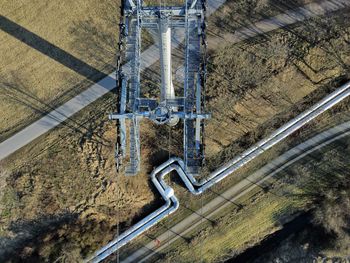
pixel 170 108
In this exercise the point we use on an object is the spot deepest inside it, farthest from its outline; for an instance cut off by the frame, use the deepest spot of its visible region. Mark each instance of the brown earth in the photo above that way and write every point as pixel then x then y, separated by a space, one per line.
pixel 63 197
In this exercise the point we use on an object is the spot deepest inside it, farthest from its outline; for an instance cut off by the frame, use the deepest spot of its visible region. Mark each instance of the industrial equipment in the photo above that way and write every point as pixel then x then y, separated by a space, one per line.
pixel 172 107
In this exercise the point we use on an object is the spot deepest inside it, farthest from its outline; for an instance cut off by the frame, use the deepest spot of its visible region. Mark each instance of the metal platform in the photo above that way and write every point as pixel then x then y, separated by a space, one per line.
pixel 169 108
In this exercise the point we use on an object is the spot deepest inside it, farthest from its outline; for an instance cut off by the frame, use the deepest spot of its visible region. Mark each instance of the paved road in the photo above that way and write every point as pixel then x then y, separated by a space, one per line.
pixel 96 91
pixel 150 56
pixel 234 193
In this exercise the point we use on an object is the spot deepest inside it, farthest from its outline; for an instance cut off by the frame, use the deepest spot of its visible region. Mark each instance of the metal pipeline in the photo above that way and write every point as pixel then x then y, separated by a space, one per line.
pixel 290 127
pixel 170 206
pixel 196 188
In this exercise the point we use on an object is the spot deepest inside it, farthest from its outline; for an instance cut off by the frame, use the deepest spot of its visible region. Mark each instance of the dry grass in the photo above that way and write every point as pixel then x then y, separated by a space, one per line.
pixel 235 230
pixel 71 168
pixel 291 191
pixel 3 185
pixel 276 72
pixel 51 51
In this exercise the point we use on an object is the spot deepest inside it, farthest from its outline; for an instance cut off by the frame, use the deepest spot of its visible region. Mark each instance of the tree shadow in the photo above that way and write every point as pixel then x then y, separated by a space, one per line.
pixel 315 31
pixel 38 43
pixel 317 175
pixel 251 137
pixel 283 5
pixel 96 37
pixel 17 92
pixel 15 89
pixel 240 14
pixel 31 233
pixel 321 173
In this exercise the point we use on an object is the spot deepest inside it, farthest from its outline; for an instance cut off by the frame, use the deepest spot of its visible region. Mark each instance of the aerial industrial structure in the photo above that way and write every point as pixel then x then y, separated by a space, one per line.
pixel 172 106
pixel 171 109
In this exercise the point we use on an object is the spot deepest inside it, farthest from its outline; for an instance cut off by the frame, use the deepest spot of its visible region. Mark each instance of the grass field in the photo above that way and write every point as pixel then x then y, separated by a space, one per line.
pixel 263 212
pixel 50 51
pixel 285 204
pixel 280 69
pixel 62 190
pixel 234 230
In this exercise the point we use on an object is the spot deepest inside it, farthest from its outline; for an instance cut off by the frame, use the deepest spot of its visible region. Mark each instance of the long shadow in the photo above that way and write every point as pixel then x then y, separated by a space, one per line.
pixel 318 31
pixel 318 174
pixel 92 40
pixel 248 139
pixel 91 119
pixel 271 242
pixel 94 50
pixel 33 40
pixel 31 233
pixel 18 93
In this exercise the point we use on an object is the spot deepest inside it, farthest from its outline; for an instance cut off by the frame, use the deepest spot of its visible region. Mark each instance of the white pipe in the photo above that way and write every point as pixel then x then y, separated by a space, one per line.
pixel 278 135
pixel 317 106
pixel 167 89
pixel 132 4
pixel 218 175
pixel 193 4
pixel 106 251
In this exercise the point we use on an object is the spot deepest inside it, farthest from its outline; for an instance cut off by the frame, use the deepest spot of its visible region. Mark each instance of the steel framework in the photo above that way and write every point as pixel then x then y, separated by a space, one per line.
pixel 170 107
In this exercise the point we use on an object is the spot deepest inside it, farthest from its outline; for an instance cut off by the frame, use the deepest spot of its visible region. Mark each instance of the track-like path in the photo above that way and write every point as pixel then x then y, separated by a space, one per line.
pixel 150 56
pixel 238 190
